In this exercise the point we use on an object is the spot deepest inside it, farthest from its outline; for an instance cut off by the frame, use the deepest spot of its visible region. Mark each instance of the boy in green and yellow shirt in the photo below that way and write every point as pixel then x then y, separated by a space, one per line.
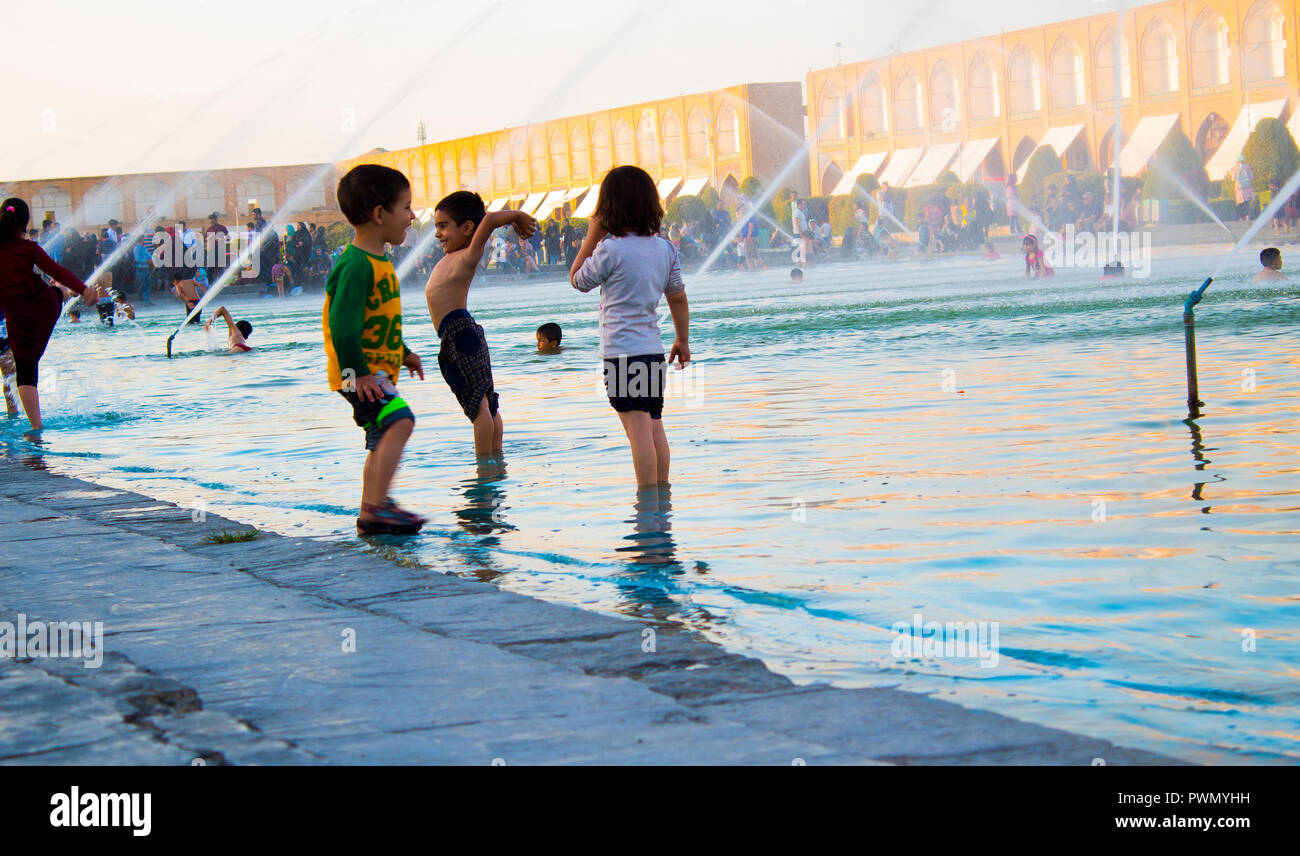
pixel 362 324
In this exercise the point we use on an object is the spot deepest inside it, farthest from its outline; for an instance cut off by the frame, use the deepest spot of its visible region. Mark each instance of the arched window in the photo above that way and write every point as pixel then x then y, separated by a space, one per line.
pixel 697 135
pixel 482 169
pixel 449 182
pixel 501 166
pixel 52 199
pixel 102 203
pixel 672 139
pixel 559 156
pixel 257 191
pixel 537 159
pixel 907 102
pixel 875 113
pixel 1210 54
pixel 580 156
pixel 518 161
pixel 204 197
pixel 944 110
pixel 156 196
pixel 601 159
pixel 647 147
pixel 1264 42
pixel 1067 75
pixel 419 189
pixel 830 112
pixel 466 175
pixel 1024 82
pixel 434 179
pixel 1159 58
pixel 728 130
pixel 624 144
pixel 985 98
pixel 307 193
pixel 1104 63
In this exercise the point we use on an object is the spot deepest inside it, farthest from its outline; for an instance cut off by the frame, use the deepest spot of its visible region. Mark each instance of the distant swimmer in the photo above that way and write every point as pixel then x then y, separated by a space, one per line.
pixel 188 292
pixel 239 331
pixel 1271 259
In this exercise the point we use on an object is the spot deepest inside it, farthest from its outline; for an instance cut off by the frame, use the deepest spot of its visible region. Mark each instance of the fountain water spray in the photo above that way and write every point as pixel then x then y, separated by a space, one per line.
pixel 1275 204
pixel 1178 182
pixel 401 93
pixel 1117 130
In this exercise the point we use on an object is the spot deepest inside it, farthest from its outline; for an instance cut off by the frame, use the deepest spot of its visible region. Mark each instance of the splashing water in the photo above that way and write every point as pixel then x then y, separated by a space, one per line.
pixel 1178 182
pixel 1279 199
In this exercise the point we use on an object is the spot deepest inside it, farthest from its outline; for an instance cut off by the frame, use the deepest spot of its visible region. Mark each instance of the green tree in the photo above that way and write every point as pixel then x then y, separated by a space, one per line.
pixel 1271 153
pixel 685 209
pixel 1176 156
pixel 709 197
pixel 1042 163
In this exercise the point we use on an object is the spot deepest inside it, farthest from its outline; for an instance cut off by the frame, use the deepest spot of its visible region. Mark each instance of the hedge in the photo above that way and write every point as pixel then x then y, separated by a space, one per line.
pixel 1178 156
pixel 1042 163
pixel 686 209
pixel 1271 153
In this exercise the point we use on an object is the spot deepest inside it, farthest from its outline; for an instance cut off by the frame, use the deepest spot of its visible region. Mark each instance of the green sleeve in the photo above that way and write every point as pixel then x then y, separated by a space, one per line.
pixel 351 281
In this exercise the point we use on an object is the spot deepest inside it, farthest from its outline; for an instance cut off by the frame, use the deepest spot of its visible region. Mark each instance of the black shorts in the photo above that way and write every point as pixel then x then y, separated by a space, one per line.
pixel 189 307
pixel 465 365
pixel 377 416
pixel 636 383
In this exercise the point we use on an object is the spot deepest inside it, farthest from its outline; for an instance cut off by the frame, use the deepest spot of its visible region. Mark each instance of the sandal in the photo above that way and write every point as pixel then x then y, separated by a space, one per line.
pixel 389 519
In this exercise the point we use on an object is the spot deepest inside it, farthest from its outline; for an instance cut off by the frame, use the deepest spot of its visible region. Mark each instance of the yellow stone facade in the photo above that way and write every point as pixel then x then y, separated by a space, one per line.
pixel 1200 59
pixel 723 136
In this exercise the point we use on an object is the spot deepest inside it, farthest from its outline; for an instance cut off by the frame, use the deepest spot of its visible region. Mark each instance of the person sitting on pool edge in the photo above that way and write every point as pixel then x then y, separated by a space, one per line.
pixel 548 338
pixel 1271 259
pixel 236 341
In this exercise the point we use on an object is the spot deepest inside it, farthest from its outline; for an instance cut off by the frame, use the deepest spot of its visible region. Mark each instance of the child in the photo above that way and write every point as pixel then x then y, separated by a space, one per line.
pixel 796 275
pixel 188 292
pixel 364 350
pixel 29 305
pixel 634 269
pixel 279 273
pixel 1271 260
pixel 239 331
pixel 463 228
pixel 990 254
pixel 1035 264
pixel 548 338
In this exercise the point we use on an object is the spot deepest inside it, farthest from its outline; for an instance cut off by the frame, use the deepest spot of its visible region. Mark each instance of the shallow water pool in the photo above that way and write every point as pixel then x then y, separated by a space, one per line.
pixel 887 440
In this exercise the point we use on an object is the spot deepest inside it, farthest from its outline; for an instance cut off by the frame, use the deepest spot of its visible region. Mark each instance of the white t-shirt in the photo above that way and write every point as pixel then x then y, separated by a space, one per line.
pixel 633 273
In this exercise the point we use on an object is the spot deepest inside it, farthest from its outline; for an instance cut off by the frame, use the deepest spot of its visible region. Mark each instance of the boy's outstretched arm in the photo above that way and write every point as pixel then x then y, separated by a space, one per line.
pixel 524 225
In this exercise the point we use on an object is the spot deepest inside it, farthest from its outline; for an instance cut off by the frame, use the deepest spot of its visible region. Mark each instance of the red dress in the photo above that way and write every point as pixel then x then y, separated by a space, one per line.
pixel 30 305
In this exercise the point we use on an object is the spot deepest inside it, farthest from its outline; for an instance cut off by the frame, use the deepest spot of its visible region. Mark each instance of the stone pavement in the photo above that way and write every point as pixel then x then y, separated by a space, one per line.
pixel 237 653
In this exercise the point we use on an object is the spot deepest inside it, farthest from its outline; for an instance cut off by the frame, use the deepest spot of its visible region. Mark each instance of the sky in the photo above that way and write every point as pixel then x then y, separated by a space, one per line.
pixel 123 86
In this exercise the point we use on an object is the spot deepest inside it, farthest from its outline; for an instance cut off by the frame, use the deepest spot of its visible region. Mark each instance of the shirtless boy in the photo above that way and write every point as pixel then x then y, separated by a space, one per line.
pixel 463 228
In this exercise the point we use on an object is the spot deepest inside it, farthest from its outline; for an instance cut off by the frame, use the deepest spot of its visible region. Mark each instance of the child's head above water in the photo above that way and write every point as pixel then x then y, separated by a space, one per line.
pixel 456 218
pixel 1271 258
pixel 796 275
pixel 548 337
pixel 629 203
pixel 1029 244
pixel 379 198
pixel 245 329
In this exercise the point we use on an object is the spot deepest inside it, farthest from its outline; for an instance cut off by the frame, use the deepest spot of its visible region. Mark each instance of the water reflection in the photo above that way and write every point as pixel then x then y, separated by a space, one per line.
pixel 483 515
pixel 650 584
pixel 1198 452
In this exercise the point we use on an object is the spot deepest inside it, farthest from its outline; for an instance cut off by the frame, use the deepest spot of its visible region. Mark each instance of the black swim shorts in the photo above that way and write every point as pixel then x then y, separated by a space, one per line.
pixel 377 416
pixel 637 383
pixel 464 363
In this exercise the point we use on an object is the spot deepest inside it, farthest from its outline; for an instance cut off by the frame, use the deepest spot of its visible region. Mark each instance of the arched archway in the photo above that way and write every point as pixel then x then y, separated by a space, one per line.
pixel 624 144
pixel 256 191
pixel 985 97
pixel 697 134
pixel 875 109
pixel 52 199
pixel 1024 149
pixel 1024 82
pixel 559 156
pixel 831 176
pixel 102 203
pixel 1105 71
pixel 1264 42
pixel 466 175
pixel 647 141
pixel 483 170
pixel 1209 136
pixel 907 102
pixel 944 98
pixel 501 165
pixel 1105 149
pixel 580 157
pixel 672 139
pixel 601 157
pixel 205 196
pixel 156 196
pixel 830 112
pixel 537 159
pixel 728 130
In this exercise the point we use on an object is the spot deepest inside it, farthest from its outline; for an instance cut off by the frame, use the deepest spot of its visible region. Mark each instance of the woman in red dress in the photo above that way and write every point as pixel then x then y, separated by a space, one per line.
pixel 30 305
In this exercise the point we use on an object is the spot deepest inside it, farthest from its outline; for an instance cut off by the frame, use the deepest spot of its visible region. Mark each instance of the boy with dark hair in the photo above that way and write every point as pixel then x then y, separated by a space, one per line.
pixel 463 228
pixel 239 331
pixel 548 338
pixel 189 293
pixel 364 349
pixel 1271 259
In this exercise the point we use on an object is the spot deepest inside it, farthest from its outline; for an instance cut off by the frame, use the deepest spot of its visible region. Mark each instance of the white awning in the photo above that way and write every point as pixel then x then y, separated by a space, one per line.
pixel 972 155
pixel 868 163
pixel 498 204
pixel 1147 137
pixel 1223 160
pixel 936 160
pixel 588 205
pixel 1059 138
pixel 552 201
pixel 693 187
pixel 900 166
pixel 531 203
pixel 667 186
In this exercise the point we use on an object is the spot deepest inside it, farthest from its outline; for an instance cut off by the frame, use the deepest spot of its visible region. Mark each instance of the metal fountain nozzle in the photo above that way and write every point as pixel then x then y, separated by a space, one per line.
pixel 1195 297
